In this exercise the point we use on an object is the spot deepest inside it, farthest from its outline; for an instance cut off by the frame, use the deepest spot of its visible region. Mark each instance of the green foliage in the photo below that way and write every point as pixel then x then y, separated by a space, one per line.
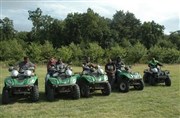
pixel 77 53
pixel 166 55
pixel 150 33
pixel 135 53
pixel 11 51
pixel 73 38
pixel 166 43
pixel 170 55
pixel 155 52
pixel 94 51
pixel 47 51
pixel 175 38
pixel 116 51
pixel 34 52
pixel 6 29
pixel 64 53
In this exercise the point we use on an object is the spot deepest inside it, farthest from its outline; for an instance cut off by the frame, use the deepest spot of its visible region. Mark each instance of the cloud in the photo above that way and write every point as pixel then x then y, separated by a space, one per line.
pixel 164 12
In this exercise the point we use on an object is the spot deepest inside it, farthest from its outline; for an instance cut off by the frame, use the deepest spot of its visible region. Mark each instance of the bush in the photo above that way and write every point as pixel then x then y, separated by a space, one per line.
pixel 11 51
pixel 115 51
pixel 94 51
pixel 34 52
pixel 170 55
pixel 165 55
pixel 65 53
pixel 47 51
pixel 135 53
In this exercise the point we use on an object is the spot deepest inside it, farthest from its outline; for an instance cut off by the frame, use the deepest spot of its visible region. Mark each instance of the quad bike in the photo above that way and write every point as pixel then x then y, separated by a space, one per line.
pixel 91 80
pixel 153 76
pixel 24 82
pixel 61 81
pixel 125 78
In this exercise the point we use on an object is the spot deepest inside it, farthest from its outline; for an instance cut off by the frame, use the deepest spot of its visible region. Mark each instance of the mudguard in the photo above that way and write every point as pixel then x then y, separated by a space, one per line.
pixel 18 82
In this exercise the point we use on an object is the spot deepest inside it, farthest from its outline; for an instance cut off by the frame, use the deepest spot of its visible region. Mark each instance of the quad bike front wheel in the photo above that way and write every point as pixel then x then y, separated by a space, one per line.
pixel 50 93
pixel 5 96
pixel 152 81
pixel 107 89
pixel 85 91
pixel 140 86
pixel 35 93
pixel 76 92
pixel 123 86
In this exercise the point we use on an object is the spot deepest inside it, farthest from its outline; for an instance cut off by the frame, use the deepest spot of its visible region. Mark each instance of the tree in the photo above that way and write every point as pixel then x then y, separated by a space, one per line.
pixel 126 24
pixel 151 32
pixel 7 30
pixel 175 38
pixel 135 53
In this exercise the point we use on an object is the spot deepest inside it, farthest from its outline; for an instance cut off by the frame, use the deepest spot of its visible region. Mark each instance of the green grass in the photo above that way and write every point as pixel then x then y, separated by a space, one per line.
pixel 153 102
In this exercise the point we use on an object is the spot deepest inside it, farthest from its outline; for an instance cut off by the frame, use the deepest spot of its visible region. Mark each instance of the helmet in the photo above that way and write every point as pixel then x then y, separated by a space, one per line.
pixel 27 73
pixel 68 72
pixel 14 73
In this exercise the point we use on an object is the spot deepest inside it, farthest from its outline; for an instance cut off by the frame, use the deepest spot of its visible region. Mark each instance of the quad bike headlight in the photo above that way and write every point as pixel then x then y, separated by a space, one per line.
pixel 14 73
pixel 32 81
pixel 28 73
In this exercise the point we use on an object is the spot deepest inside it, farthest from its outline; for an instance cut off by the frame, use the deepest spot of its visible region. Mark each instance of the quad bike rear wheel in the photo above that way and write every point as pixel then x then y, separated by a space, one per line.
pixel 168 81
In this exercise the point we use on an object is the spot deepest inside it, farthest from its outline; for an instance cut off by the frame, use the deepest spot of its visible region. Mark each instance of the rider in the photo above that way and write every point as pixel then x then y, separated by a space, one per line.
pixel 52 62
pixel 119 63
pixel 88 66
pixel 154 63
pixel 60 66
pixel 110 69
pixel 25 64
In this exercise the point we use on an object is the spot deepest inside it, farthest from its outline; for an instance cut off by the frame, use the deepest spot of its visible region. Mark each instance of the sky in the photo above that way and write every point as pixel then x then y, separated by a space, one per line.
pixel 163 12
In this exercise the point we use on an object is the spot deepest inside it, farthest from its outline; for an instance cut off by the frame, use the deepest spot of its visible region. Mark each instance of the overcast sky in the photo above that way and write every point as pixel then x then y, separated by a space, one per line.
pixel 163 12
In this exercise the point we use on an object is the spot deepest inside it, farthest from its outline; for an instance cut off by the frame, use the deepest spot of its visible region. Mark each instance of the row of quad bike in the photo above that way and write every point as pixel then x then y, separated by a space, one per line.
pixel 25 83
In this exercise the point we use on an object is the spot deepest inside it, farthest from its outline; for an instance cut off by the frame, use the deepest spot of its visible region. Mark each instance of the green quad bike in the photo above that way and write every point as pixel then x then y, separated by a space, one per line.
pixel 63 81
pixel 153 76
pixel 24 82
pixel 90 81
pixel 125 78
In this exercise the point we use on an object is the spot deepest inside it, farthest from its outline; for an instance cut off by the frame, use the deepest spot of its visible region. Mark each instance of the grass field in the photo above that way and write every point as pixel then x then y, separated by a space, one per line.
pixel 153 102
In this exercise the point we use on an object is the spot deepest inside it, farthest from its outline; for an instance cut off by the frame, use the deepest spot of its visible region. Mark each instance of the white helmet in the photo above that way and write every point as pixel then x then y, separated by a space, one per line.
pixel 68 72
pixel 14 73
pixel 27 73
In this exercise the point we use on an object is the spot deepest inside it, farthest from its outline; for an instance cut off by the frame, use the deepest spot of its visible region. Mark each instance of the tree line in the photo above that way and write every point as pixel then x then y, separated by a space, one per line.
pixel 88 34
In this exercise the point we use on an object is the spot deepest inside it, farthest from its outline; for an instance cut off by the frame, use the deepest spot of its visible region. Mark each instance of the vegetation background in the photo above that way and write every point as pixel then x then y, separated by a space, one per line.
pixel 88 34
